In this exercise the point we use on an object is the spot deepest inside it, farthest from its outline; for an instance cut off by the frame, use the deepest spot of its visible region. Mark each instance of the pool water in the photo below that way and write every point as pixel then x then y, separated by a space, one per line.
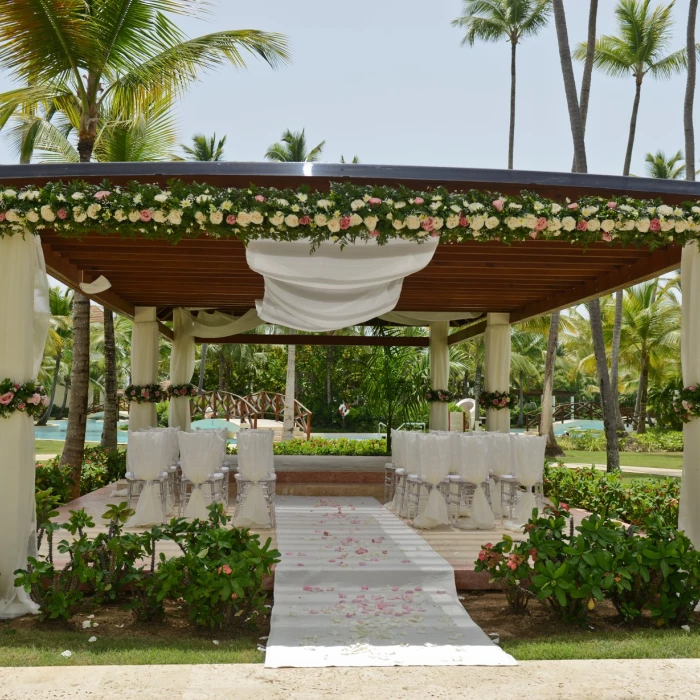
pixel 56 430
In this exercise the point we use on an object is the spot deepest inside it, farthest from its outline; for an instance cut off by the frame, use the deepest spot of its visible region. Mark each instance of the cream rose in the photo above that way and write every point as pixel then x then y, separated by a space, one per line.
pixel 628 225
pixel 568 223
pixel 334 225
pixel 413 222
pixel 530 221
pixel 12 216
pixel 134 216
pixel 492 222
pixel 216 217
pixel 513 222
pixel 278 219
pixel 119 215
pixel 438 223
pixel 79 215
pixel 47 213
pixel 291 220
pixel 556 208
pixel 32 216
pixel 93 210
pixel 243 218
pixel 594 225
pixel 681 226
pixel 452 221
pixel 608 225
pixel 399 205
pixel 199 217
pixel 159 216
pixel 321 219
pixel 477 223
pixel 398 224
pixel 371 222
pixel 175 217
pixel 643 225
pixel 256 218
pixel 77 195
pixel 668 225
pixel 356 204
pixel 355 219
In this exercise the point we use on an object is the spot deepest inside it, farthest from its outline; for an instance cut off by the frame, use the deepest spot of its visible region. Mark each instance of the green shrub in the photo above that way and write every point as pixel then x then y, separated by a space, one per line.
pixel 659 441
pixel 345 447
pixel 54 477
pixel 654 440
pixel 587 440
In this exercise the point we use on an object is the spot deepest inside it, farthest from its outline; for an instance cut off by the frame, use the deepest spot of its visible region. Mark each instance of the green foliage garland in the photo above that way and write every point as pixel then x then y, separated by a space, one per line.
pixel 146 393
pixel 28 398
pixel 495 400
pixel 176 391
pixel 438 396
pixel 687 403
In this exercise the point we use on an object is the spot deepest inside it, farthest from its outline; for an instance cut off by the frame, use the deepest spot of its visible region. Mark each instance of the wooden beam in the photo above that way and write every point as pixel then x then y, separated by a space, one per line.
pixel 660 262
pixel 365 340
pixel 472 331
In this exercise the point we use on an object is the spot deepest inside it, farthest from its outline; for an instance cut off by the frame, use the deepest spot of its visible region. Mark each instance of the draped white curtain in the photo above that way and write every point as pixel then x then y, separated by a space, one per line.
pixel 497 367
pixel 24 322
pixel 255 463
pixel 423 318
pixel 187 327
pixel 200 457
pixel 689 513
pixel 333 287
pixel 439 372
pixel 528 465
pixel 144 364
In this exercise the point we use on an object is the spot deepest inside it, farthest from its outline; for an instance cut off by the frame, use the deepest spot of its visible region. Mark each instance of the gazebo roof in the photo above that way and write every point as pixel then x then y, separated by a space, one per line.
pixel 525 279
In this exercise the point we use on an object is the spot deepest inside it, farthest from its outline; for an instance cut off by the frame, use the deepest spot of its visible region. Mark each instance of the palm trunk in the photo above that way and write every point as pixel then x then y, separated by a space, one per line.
pixel 80 381
pixel 690 93
pixel 222 360
pixel 613 453
pixel 465 383
pixel 289 391
pixel 329 367
pixel 615 360
pixel 52 398
pixel 567 70
pixel 511 133
pixel 62 410
pixel 477 394
pixel 633 126
pixel 521 402
pixel 202 367
pixel 642 393
pixel 547 423
pixel 111 412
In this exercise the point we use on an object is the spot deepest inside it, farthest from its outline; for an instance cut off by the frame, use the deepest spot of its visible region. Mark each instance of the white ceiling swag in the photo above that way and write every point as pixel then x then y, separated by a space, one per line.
pixel 333 287
pixel 101 284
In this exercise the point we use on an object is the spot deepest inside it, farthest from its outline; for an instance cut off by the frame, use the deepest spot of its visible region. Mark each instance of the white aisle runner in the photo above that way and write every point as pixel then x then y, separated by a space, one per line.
pixel 357 587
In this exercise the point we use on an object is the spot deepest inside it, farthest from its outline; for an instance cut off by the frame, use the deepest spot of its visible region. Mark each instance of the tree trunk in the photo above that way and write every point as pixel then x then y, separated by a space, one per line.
pixel 111 412
pixel 62 410
pixel 477 394
pixel 465 383
pixel 690 93
pixel 222 361
pixel 75 432
pixel 613 454
pixel 547 423
pixel 511 133
pixel 587 70
pixel 633 126
pixel 615 360
pixel 289 392
pixel 567 70
pixel 202 367
pixel 52 398
pixel 329 367
pixel 521 403
pixel 642 393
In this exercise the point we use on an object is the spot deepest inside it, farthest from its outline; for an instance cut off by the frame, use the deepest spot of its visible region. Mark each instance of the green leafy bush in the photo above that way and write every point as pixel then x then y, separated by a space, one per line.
pixel 345 447
pixel 587 440
pixel 54 477
pixel 654 440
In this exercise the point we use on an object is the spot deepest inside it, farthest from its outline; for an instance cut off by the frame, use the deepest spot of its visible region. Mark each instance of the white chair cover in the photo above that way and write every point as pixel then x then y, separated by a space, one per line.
pixel 148 453
pixel 172 444
pixel 397 458
pixel 474 469
pixel 255 463
pixel 220 432
pixel 411 457
pixel 200 456
pixel 435 459
pixel 500 464
pixel 528 466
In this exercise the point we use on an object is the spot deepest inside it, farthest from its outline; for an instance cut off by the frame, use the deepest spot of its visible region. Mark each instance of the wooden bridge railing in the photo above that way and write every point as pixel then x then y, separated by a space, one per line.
pixel 586 410
pixel 267 403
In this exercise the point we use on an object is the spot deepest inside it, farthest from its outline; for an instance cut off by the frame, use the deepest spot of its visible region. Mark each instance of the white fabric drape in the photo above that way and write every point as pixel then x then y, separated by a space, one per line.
pixel 689 513
pixel 497 367
pixel 500 464
pixel 24 319
pixel 101 284
pixel 474 469
pixel 148 459
pixel 144 364
pixel 527 454
pixel 255 463
pixel 436 459
pixel 200 457
pixel 333 287
pixel 439 353
pixel 423 318
pixel 397 459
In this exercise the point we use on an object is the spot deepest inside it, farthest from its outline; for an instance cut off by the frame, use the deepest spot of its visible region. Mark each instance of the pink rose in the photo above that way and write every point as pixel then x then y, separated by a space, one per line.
pixel 463 221
pixel 259 198
pixel 612 205
pixel 44 400
pixel 541 224
pixel 654 225
pixel 374 201
pixel 6 398
pixel 573 206
pixel 482 555
pixel 231 219
pixel 428 224
pixel 418 200
pixel 495 402
pixel 36 399
pixel 533 234
pixel 691 388
pixel 102 194
pixel 22 406
pixel 2 216
pixel 582 226
pixel 435 234
pixel 607 236
pixel 498 204
pixel 146 215
pixel 345 222
pixel 374 234
pixel 304 221
pixel 62 214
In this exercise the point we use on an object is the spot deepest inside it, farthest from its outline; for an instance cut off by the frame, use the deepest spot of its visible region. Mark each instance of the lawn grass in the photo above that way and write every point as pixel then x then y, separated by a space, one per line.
pixel 664 460
pixel 628 644
pixel 37 647
pixel 55 447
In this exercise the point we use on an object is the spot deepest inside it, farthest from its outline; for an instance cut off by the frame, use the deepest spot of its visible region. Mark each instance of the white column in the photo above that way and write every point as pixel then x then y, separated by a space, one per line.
pixel 24 319
pixel 144 364
pixel 497 367
pixel 439 372
pixel 689 513
pixel 181 368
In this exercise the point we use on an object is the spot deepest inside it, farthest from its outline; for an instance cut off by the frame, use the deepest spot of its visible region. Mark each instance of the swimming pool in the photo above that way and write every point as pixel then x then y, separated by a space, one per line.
pixel 56 430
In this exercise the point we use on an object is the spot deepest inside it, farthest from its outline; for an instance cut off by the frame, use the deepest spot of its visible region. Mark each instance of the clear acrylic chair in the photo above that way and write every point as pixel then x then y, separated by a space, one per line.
pixel 256 480
pixel 200 460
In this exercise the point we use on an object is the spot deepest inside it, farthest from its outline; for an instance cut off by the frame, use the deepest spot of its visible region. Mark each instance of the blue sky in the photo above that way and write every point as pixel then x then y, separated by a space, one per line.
pixel 388 80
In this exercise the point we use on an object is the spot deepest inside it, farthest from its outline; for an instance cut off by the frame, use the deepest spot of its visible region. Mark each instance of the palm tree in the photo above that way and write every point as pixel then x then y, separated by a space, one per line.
pixel 204 149
pixel 498 20
pixel 639 48
pixel 292 149
pixel 659 166
pixel 690 92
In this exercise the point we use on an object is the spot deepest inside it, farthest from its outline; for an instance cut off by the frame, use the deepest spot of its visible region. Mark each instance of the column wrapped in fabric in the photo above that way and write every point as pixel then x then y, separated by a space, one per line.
pixel 144 365
pixel 181 368
pixel 497 367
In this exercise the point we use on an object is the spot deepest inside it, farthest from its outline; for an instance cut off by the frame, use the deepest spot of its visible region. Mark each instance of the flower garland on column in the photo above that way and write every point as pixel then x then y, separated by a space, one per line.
pixel 438 396
pixel 687 403
pixel 145 393
pixel 176 391
pixel 495 400
pixel 29 398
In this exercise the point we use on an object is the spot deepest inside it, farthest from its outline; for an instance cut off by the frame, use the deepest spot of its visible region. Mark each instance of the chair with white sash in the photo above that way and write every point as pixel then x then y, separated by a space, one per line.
pixel 200 460
pixel 148 460
pixel 225 467
pixel 255 480
pixel 500 471
pixel 436 460
pixel 474 488
pixel 407 477
pixel 394 469
pixel 528 465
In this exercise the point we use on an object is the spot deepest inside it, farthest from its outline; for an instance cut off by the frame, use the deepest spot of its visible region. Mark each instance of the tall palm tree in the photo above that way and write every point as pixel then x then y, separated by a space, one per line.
pixel 690 92
pixel 665 168
pixel 292 149
pixel 640 48
pixel 498 20
pixel 205 149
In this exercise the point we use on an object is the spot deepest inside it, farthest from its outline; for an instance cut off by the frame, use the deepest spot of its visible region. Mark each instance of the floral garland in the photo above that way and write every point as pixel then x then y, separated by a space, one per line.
pixel 146 393
pixel 176 391
pixel 438 396
pixel 687 403
pixel 28 398
pixel 346 213
pixel 495 400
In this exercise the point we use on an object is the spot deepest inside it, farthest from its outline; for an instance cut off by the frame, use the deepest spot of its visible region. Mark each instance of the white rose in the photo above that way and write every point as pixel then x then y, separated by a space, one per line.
pixel 175 217
pixel 513 222
pixel 79 215
pixel 291 220
pixel 667 225
pixel 78 195
pixel 665 210
pixel 47 213
pixel 278 219
pixel 492 222
pixel 119 215
pixel 12 216
pixel 355 219
pixel 32 216
pixel 608 225
pixel 200 218
pixel 162 197
pixel 334 225
pixel 243 218
pixel 256 218
pixel 475 206
pixel 320 219
pixel 568 223
pixel 589 211
pixel 216 217
pixel 516 207
pixel 643 225
pixel 93 210
pixel 530 221
pixel 323 203
pixel 413 222
pixel 681 226
pixel 399 205
pixel 594 225
pixel 159 216
pixel 477 223
pixel 438 223
pixel 9 194
pixel 435 206
pixel 398 224
pixel 134 215
pixel 554 225
pixel 628 225
pixel 356 204
pixel 453 221
pixel 556 208
pixel 371 222
pixel 302 197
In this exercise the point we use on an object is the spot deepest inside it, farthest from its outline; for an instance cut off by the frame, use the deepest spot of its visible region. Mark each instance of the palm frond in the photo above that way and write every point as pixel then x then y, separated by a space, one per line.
pixel 670 65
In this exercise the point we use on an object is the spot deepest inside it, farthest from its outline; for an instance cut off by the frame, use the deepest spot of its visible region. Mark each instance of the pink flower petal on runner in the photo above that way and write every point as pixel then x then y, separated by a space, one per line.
pixel 332 588
pixel 364 588
pixel 308 588
pixel 405 561
pixel 417 589
pixel 342 595
pixel 441 592
pixel 331 561
pixel 349 614
pixel 313 612
pixel 394 588
pixel 299 564
pixel 363 563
